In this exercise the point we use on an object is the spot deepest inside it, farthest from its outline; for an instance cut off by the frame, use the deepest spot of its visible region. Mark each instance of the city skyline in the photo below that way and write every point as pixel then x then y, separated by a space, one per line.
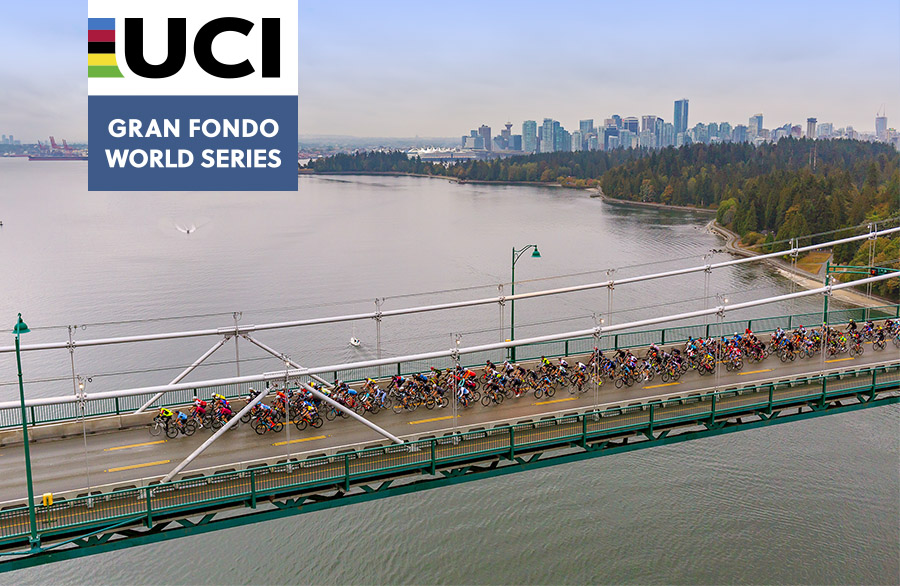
pixel 407 69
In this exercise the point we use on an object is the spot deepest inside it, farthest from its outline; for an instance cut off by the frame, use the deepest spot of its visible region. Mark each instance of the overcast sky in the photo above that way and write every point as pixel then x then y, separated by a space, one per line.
pixel 398 68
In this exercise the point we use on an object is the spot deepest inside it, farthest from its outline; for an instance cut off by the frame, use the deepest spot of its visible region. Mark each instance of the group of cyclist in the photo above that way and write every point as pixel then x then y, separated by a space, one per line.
pixel 437 388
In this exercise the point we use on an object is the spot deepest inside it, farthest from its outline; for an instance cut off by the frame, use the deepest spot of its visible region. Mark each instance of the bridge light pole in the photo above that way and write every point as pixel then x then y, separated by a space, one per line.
pixel 516 253
pixel 19 329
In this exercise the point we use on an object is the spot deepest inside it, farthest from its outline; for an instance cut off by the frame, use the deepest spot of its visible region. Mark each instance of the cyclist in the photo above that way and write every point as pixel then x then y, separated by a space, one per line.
pixel 180 419
pixel 199 410
pixel 224 407
pixel 166 415
pixel 851 326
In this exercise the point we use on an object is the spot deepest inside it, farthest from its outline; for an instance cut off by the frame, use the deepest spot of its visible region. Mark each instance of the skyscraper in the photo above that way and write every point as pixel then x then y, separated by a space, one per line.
pixel 547 136
pixel 881 127
pixel 681 116
pixel 585 127
pixel 648 122
pixel 755 125
pixel 529 136
pixel 811 128
pixel 485 131
pixel 631 124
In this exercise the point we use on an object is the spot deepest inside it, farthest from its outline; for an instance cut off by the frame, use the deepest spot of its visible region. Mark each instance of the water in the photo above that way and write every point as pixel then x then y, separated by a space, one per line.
pixel 811 502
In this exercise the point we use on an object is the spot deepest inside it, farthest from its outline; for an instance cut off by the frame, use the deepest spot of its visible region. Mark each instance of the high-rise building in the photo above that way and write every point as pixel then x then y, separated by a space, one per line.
pixel 725 131
pixel 881 127
pixel 825 130
pixel 739 134
pixel 626 138
pixel 547 136
pixel 529 136
pixel 666 135
pixel 585 127
pixel 647 139
pixel 3 139
pixel 485 131
pixel 755 125
pixel 811 128
pixel 648 122
pixel 593 143
pixel 562 140
pixel 796 131
pixel 713 130
pixel 612 143
pixel 680 118
pixel 699 133
pixel 617 120
pixel 631 124
pixel 577 141
pixel 515 142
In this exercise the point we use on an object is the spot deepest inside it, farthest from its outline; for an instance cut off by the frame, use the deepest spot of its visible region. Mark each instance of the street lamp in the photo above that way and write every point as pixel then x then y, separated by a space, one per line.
pixel 512 307
pixel 19 329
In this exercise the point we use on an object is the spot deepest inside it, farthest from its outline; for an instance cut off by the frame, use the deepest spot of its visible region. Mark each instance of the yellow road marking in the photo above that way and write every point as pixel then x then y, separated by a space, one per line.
pixel 297 441
pixel 554 401
pixel 430 420
pixel 839 359
pixel 756 371
pixel 135 445
pixel 663 385
pixel 133 466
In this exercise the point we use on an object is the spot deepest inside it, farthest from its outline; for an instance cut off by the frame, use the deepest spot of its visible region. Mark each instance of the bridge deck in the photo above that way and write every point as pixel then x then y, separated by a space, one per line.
pixel 245 487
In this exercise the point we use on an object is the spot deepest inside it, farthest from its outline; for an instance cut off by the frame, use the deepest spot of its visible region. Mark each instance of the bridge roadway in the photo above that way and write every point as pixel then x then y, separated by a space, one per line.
pixel 125 456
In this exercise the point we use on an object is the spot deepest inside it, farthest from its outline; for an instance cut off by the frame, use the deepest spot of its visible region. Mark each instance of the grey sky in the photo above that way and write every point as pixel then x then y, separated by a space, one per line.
pixel 399 68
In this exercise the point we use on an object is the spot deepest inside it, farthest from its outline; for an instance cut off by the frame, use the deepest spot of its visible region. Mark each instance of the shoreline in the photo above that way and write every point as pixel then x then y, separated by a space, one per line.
pixel 598 192
pixel 426 176
pixel 803 278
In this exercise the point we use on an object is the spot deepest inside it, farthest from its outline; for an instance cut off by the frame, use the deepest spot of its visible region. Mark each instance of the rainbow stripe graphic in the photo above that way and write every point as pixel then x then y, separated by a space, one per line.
pixel 102 48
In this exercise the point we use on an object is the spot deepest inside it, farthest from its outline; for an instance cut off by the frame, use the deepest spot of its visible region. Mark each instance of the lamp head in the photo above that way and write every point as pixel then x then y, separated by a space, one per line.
pixel 20 327
pixel 536 253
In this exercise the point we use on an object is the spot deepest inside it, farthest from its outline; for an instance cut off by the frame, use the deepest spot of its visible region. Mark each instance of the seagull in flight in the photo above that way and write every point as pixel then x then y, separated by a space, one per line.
pixel 188 230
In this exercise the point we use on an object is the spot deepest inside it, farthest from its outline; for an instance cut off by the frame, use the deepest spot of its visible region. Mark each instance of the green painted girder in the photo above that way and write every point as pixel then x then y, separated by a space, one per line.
pixel 167 529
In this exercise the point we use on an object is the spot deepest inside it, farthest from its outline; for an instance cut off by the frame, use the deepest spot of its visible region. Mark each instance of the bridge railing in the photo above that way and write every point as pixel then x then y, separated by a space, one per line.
pixel 247 487
pixel 44 414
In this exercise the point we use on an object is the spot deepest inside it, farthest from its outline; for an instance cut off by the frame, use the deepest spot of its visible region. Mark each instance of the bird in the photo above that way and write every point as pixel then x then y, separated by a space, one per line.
pixel 188 230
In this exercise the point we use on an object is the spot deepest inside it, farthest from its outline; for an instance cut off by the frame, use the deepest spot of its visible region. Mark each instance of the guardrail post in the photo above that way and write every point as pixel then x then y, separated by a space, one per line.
pixel 567 348
pixel 616 342
pixel 874 380
pixel 712 409
pixel 790 321
pixel 398 369
pixel 663 338
pixel 148 493
pixel 347 472
pixel 824 389
pixel 252 488
pixel 512 442
pixel 707 331
pixel 32 416
pixel 771 398
pixel 117 407
pixel 584 430
pixel 433 456
pixel 651 418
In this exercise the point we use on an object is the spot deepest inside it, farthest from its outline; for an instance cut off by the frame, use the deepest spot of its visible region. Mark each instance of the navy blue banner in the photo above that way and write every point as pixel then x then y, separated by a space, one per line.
pixel 192 143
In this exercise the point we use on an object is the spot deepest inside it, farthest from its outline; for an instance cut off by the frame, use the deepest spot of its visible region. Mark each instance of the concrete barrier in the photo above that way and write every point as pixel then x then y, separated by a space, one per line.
pixel 65 429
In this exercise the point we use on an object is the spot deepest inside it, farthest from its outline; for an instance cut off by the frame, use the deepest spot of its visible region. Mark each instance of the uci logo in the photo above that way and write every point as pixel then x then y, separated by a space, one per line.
pixel 102 48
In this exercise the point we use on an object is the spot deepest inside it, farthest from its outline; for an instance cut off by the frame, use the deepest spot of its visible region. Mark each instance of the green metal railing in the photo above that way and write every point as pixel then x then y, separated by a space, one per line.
pixel 11 418
pixel 247 487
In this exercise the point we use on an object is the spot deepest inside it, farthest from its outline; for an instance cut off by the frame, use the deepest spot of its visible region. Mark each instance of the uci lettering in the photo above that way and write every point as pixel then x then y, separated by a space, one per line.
pixel 177 48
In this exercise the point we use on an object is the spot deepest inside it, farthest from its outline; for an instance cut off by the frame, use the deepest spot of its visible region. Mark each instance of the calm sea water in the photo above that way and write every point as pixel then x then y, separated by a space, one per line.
pixel 814 502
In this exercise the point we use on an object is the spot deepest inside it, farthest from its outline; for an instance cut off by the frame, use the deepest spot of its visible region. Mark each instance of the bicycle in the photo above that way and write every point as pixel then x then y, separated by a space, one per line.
pixel 159 425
